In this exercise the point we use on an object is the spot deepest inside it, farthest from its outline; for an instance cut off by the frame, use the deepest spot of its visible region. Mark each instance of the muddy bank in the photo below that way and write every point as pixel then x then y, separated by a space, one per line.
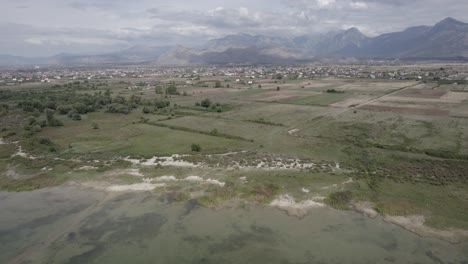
pixel 413 223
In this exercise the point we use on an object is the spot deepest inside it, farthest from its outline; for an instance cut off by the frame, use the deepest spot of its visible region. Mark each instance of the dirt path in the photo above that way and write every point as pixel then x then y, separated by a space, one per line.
pixel 387 95
pixel 341 110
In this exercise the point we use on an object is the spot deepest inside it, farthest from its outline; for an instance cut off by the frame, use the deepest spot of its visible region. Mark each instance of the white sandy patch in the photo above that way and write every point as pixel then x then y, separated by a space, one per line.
pixel 194 178
pixel 293 208
pixel 135 187
pixel 263 164
pixel 415 223
pixel 87 168
pixel 134 172
pixel 243 180
pixel 304 190
pixel 215 182
pixel 131 172
pixel 293 132
pixel 328 187
pixel 200 179
pixel 277 164
pixel 164 161
pixel 227 154
pixel 366 208
pixel 2 142
pixel 21 153
pixel 197 179
pixel 146 185
pixel 348 181
pixel 165 178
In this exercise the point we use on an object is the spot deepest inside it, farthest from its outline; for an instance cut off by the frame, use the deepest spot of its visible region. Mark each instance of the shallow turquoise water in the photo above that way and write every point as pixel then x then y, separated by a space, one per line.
pixel 70 225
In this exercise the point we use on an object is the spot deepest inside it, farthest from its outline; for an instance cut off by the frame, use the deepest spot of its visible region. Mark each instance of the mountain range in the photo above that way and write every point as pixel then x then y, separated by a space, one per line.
pixel 447 39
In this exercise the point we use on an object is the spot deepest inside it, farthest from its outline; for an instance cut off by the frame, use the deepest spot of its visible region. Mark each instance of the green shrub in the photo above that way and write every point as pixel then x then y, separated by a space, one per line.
pixel 196 148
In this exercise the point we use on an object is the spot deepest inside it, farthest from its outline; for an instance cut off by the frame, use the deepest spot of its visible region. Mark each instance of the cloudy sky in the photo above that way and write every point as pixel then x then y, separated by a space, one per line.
pixel 48 27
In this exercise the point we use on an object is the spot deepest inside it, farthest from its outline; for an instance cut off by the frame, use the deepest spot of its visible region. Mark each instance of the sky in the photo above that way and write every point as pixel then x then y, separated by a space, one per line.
pixel 34 28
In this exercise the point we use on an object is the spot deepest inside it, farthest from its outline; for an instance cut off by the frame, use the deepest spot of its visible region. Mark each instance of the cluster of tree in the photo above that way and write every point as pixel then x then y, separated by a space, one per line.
pixel 65 103
pixel 334 91
pixel 208 104
pixel 51 120
pixel 33 125
pixel 171 90
pixel 218 84
pixel 156 105
pixel 4 108
pixel 122 105
pixel 204 103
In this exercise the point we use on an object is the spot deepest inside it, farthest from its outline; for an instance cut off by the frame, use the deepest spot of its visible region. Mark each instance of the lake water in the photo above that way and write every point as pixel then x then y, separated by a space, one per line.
pixel 72 225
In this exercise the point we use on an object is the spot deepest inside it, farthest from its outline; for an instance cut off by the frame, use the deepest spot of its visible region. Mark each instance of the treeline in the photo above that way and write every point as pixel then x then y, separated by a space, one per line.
pixel 76 104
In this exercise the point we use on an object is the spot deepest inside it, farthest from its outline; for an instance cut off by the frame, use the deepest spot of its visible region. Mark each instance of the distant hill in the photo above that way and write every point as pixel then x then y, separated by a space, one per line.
pixel 131 55
pixel 446 39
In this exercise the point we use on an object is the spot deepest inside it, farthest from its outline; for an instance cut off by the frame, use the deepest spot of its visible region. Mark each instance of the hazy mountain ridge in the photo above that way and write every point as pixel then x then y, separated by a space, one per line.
pixel 446 39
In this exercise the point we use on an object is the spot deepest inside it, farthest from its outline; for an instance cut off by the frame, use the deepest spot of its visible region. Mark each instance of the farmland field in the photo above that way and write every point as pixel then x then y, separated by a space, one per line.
pixel 396 149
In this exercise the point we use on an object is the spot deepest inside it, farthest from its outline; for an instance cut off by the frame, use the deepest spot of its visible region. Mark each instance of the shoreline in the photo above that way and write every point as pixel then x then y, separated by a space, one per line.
pixel 297 209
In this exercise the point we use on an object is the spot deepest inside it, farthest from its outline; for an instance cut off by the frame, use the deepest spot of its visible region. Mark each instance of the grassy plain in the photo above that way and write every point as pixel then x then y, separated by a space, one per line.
pixel 405 163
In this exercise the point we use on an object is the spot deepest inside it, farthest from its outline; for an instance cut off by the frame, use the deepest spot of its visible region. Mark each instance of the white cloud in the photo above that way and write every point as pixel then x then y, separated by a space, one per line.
pixel 325 3
pixel 34 41
pixel 359 5
pixel 54 26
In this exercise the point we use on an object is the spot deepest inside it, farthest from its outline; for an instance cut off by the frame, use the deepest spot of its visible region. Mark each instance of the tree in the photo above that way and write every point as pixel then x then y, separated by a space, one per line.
pixel 205 103
pixel 51 120
pixel 158 90
pixel 95 125
pixel 196 148
pixel 218 84
pixel 172 90
pixel 64 109
pixel 277 88
pixel 146 110
pixel 161 103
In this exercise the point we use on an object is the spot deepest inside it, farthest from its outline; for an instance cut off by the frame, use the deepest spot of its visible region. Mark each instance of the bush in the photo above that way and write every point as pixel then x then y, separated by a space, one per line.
pixel 205 103
pixel 161 103
pixel 51 120
pixel 37 128
pixel 172 90
pixel 118 108
pixel 146 110
pixel 196 148
pixel 64 109
pixel 214 132
pixel 76 117
pixel 339 200
pixel 334 91
pixel 218 84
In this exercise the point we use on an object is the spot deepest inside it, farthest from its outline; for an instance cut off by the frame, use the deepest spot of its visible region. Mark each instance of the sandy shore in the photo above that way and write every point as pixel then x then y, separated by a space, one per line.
pixel 413 223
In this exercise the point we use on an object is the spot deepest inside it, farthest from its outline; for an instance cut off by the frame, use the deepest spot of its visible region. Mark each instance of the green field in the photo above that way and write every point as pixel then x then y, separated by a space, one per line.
pixel 322 99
